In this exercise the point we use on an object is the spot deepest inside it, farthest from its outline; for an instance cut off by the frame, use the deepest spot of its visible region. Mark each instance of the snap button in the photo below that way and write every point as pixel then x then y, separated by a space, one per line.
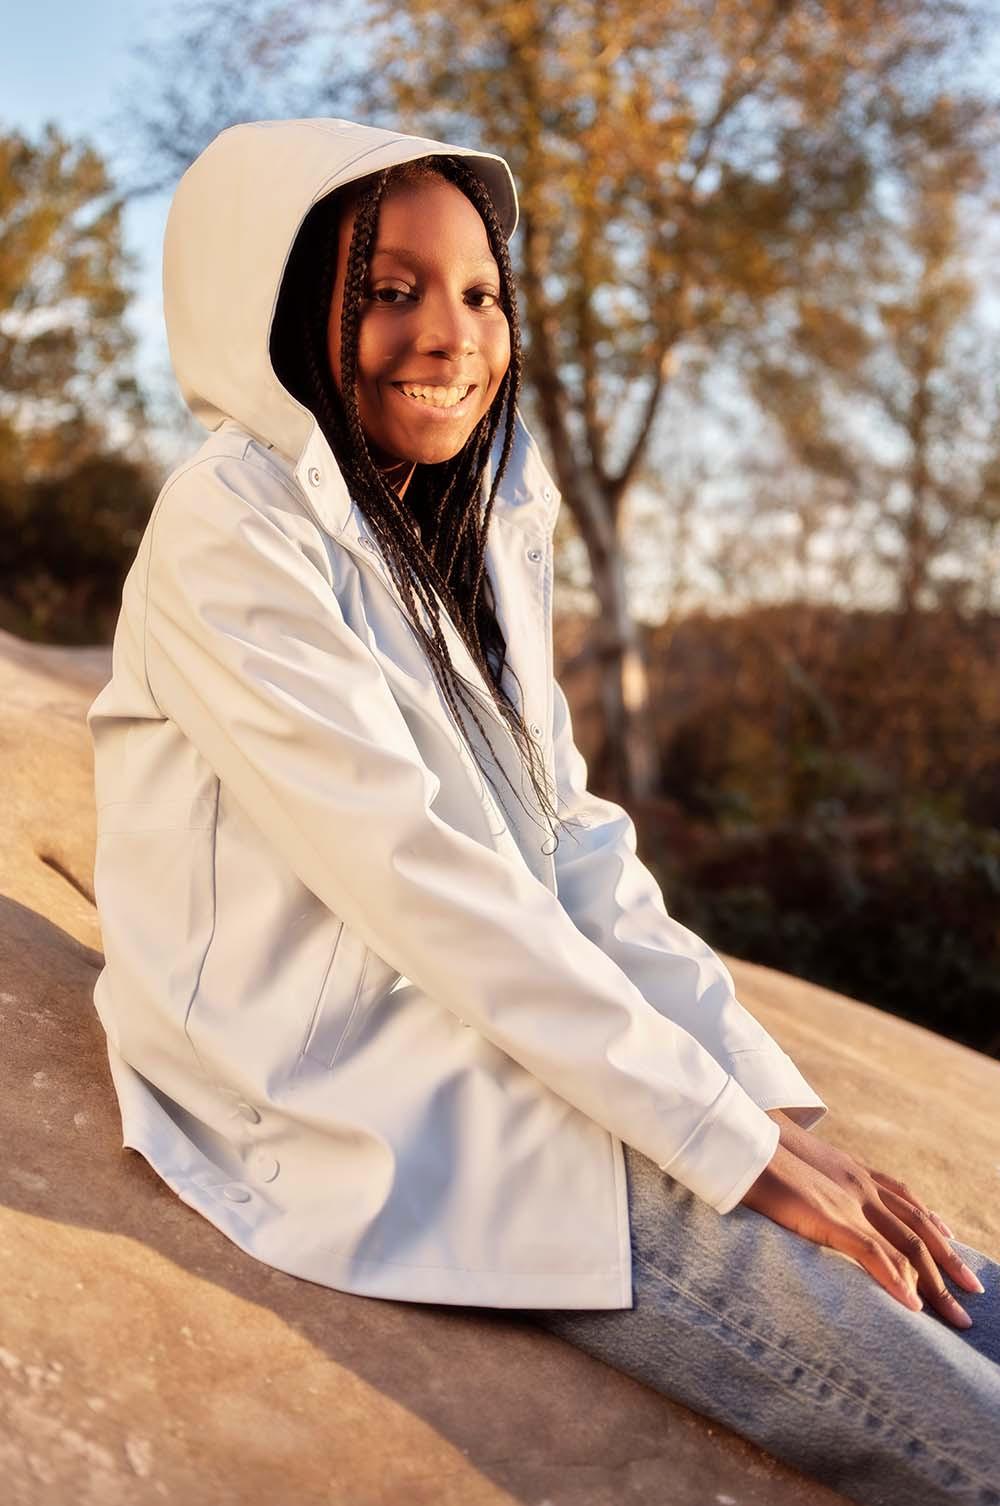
pixel 248 1112
pixel 314 476
pixel 366 542
pixel 535 730
pixel 547 493
pixel 236 1194
pixel 534 554
pixel 265 1166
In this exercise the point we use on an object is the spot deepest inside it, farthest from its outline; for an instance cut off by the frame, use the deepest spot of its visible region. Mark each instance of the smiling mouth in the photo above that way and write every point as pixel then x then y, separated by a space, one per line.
pixel 435 396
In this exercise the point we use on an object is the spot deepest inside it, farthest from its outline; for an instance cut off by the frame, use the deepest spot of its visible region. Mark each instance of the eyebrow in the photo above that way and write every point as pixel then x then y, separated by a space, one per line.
pixel 414 258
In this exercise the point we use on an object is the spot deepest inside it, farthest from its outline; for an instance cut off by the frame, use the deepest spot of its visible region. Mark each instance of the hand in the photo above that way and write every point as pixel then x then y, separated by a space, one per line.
pixel 822 1193
pixel 827 1158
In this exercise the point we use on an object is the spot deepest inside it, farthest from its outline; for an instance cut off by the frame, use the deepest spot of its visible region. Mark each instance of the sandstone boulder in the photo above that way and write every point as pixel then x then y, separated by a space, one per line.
pixel 143 1358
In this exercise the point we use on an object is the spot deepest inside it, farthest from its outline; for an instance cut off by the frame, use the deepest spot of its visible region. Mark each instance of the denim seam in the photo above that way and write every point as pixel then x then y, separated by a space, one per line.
pixel 973 1476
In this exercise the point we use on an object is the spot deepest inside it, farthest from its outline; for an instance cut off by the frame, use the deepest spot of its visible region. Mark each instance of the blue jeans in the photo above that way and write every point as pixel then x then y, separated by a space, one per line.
pixel 799 1349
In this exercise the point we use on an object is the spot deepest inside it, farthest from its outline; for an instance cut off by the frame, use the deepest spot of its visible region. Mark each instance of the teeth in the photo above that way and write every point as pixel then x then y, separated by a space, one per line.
pixel 438 397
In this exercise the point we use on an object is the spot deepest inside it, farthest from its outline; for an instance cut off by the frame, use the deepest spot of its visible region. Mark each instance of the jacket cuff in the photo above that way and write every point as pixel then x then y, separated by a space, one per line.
pixel 770 1077
pixel 727 1151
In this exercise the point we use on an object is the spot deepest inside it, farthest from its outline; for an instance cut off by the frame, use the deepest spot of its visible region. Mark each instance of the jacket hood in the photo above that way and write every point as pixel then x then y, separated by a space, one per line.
pixel 232 222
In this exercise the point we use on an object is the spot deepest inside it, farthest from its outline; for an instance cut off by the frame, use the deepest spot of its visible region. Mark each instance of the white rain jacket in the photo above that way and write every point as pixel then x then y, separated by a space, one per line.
pixel 355 1015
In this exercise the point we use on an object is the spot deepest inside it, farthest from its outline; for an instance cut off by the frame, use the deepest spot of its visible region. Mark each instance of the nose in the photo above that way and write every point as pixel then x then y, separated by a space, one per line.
pixel 446 327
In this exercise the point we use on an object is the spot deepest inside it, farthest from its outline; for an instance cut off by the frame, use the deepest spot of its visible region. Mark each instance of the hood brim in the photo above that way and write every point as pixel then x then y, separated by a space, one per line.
pixel 231 226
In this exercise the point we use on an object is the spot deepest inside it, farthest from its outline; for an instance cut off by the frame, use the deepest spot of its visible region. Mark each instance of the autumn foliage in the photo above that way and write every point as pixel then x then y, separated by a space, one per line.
pixel 829 799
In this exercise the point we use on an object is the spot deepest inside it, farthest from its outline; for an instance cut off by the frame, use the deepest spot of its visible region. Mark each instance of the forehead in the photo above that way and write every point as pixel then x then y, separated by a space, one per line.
pixel 423 219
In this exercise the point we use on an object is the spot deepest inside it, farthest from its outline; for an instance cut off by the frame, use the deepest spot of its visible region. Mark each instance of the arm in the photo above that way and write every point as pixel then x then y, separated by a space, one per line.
pixel 616 902
pixel 249 654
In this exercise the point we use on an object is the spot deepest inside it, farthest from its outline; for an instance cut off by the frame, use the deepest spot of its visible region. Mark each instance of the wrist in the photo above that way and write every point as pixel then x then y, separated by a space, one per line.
pixel 785 1124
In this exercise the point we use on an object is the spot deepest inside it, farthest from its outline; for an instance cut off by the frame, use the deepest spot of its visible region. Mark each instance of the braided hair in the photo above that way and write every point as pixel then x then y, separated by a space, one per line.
pixel 433 539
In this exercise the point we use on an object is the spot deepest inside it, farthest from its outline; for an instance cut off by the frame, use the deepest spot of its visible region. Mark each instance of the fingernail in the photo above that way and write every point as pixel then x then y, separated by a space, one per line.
pixel 942 1226
pixel 964 1321
pixel 970 1276
pixel 913 1299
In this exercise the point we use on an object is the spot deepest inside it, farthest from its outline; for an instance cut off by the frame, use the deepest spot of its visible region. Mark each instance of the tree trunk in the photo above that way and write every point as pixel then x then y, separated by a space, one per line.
pixel 628 763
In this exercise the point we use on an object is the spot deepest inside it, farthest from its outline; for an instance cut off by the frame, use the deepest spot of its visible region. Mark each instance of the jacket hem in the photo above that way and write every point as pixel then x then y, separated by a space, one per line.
pixel 202 1186
pixel 394 1280
pixel 624 1221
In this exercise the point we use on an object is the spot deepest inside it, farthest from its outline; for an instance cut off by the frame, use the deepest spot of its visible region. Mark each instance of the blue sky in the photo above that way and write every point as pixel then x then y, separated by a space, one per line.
pixel 70 61
pixel 62 59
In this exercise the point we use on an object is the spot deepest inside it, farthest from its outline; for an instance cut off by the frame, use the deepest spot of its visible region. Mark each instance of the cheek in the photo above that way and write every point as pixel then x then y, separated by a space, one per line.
pixel 499 352
pixel 377 351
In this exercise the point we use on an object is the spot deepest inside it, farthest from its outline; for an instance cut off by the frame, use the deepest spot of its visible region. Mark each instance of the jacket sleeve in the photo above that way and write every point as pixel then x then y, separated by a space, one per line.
pixel 249 654
pixel 618 905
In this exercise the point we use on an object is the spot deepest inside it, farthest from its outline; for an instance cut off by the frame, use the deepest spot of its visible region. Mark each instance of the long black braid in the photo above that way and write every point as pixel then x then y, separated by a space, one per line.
pixel 442 560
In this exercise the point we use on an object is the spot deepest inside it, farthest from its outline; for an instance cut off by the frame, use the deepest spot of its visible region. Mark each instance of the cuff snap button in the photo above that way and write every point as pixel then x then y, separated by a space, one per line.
pixel 236 1194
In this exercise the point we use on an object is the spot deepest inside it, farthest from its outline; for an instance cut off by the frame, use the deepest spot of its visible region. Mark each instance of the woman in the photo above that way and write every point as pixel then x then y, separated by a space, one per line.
pixel 389 997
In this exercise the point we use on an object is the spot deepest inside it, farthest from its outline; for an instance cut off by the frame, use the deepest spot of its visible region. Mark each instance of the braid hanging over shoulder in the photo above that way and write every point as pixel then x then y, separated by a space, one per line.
pixel 440 563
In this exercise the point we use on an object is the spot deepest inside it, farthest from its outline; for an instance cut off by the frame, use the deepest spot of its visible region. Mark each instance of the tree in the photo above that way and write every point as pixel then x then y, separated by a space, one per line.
pixel 74 480
pixel 883 398
pixel 65 349
pixel 683 169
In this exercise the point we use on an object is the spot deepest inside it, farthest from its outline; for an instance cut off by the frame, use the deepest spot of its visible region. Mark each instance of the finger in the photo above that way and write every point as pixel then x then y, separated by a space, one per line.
pixel 919 1214
pixel 883 1261
pixel 941 1250
pixel 901 1190
pixel 914 1233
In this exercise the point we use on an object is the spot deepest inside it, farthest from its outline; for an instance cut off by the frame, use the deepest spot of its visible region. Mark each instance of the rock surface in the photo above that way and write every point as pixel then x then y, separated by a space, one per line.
pixel 143 1358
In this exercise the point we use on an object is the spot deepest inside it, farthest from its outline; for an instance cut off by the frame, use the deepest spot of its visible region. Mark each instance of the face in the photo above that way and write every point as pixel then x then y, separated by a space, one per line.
pixel 433 341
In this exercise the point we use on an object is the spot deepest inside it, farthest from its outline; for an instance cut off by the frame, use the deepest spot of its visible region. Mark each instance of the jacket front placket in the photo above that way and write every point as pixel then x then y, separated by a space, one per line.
pixel 518 558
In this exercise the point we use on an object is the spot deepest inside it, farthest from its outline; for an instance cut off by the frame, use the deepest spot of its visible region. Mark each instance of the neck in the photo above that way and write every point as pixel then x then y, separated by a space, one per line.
pixel 398 475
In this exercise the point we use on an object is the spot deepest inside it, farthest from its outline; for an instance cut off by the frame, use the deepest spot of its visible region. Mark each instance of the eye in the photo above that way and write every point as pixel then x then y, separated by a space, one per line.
pixel 376 295
pixel 485 293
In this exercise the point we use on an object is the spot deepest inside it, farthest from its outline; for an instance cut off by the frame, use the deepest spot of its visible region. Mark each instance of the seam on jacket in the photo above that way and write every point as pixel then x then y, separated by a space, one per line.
pixel 317 1011
pixel 624 1224
pixel 154 516
pixel 865 1401
pixel 355 1008
pixel 381 146
pixel 324 130
pixel 211 937
pixel 254 460
pixel 154 519
pixel 253 456
pixel 108 803
pixel 774 1050
pixel 708 1118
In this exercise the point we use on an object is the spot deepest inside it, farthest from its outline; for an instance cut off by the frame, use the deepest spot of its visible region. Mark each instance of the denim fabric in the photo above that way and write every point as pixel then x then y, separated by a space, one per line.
pixel 798 1348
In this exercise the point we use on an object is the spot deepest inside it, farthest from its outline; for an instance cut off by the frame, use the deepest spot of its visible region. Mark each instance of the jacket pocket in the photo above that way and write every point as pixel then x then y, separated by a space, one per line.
pixel 338 998
pixel 354 977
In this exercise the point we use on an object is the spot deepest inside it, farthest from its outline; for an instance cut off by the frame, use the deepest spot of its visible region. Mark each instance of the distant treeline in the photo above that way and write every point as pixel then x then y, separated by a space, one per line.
pixel 830 800
pixel 66 543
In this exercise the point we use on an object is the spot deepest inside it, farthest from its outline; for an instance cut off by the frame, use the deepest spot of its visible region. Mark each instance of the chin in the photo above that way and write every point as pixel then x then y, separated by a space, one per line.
pixel 438 454
pixel 429 451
